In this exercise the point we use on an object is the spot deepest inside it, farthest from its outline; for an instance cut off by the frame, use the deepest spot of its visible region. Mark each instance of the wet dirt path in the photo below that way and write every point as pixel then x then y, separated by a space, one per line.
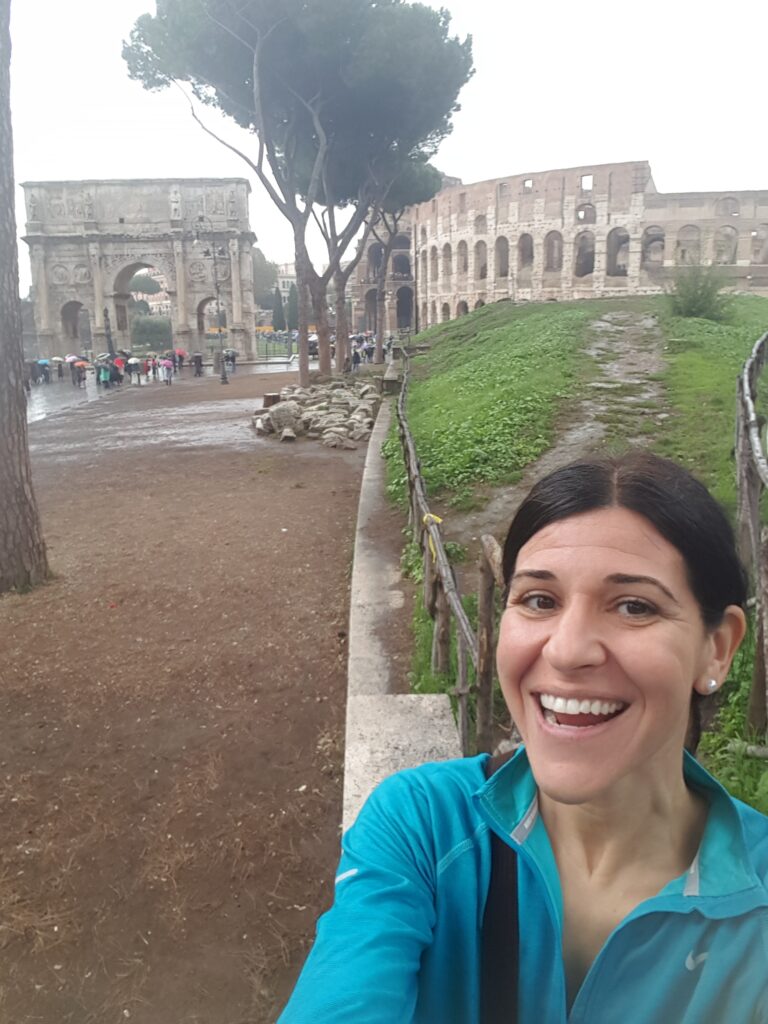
pixel 171 712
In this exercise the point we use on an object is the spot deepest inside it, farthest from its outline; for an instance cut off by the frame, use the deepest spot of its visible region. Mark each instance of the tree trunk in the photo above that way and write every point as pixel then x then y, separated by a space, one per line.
pixel 303 272
pixel 342 324
pixel 23 561
pixel 318 291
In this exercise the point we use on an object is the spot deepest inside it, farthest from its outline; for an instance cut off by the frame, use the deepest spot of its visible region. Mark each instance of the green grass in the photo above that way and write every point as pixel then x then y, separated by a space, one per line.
pixel 704 359
pixel 483 401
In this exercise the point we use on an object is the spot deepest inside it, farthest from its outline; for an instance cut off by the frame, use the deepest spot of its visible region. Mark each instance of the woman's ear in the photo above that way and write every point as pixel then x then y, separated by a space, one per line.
pixel 724 642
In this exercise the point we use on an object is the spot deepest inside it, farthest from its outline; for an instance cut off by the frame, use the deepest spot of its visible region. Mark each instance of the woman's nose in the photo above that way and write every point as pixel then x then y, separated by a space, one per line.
pixel 575 640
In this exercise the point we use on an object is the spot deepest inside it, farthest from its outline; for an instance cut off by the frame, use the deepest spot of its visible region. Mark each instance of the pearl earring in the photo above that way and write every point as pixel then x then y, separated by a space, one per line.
pixel 712 685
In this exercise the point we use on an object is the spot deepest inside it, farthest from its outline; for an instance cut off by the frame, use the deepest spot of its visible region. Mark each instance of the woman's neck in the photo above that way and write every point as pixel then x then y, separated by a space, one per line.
pixel 642 824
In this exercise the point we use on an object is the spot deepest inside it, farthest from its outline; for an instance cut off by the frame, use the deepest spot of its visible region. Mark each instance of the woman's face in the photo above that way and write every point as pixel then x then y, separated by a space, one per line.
pixel 601 644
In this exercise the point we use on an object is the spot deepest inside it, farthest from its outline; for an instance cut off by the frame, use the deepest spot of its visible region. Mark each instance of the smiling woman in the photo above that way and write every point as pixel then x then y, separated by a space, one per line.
pixel 639 887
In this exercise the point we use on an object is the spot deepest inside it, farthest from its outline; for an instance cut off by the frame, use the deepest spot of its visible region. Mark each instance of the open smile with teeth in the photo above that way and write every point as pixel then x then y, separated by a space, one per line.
pixel 580 713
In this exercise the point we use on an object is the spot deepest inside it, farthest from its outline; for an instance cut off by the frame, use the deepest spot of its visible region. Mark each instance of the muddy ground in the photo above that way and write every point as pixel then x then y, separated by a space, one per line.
pixel 171 712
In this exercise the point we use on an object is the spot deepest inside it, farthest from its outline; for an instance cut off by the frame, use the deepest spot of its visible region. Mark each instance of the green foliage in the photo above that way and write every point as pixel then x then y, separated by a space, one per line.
pixel 723 749
pixel 293 308
pixel 698 292
pixel 278 314
pixel 485 397
pixel 152 332
pixel 144 284
pixel 264 278
pixel 376 103
pixel 703 360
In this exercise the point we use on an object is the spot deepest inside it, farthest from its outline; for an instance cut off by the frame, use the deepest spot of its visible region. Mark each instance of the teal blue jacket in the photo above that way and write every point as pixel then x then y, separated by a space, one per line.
pixel 401 943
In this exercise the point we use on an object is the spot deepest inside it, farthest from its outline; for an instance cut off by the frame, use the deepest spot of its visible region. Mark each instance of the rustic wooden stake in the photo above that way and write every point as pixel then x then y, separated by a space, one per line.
pixel 485 630
pixel 462 694
pixel 441 636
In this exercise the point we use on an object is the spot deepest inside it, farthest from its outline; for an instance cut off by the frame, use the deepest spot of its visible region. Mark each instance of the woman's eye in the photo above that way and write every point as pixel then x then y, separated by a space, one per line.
pixel 636 608
pixel 537 602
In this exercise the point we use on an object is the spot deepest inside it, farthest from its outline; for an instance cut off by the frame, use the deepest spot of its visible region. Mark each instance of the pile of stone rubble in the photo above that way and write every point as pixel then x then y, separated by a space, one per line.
pixel 337 414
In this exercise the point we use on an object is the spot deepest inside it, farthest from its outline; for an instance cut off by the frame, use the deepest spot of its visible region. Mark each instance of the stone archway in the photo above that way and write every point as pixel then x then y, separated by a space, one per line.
pixel 404 307
pixel 88 238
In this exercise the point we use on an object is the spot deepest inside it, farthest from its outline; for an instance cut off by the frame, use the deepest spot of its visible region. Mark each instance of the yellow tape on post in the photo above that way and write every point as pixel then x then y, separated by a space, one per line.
pixel 430 518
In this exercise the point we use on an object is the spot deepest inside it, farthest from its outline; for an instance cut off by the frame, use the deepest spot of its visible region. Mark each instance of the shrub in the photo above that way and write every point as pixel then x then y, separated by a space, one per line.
pixel 698 292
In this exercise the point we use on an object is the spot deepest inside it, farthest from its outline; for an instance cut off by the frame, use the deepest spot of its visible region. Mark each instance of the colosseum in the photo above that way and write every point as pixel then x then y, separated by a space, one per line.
pixel 582 232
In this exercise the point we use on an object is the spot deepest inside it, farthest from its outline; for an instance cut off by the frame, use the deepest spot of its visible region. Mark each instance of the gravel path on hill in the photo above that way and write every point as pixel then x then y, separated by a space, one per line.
pixel 624 403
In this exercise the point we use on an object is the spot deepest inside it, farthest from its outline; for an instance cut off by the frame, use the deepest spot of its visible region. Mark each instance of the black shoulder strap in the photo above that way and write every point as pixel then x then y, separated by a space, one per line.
pixel 500 953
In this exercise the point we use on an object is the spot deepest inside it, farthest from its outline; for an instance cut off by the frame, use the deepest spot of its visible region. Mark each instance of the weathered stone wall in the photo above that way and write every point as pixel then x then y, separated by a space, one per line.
pixel 88 238
pixel 576 233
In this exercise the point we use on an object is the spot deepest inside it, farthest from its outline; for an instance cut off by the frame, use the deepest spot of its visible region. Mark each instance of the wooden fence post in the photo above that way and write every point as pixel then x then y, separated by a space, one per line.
pixel 490 568
pixel 757 711
pixel 441 635
pixel 462 693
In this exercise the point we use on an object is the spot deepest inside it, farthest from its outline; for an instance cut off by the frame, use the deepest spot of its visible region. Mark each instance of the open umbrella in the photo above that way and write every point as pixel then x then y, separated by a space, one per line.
pixel 134 359
pixel 168 363
pixel 181 352
pixel 71 358
pixel 43 362
pixel 57 359
pixel 81 362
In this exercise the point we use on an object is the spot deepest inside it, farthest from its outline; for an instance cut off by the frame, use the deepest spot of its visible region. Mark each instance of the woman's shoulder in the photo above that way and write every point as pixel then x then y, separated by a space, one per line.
pixel 437 790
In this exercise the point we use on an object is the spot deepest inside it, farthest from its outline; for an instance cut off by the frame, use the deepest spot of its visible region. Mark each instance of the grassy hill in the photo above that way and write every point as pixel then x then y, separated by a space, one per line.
pixel 488 397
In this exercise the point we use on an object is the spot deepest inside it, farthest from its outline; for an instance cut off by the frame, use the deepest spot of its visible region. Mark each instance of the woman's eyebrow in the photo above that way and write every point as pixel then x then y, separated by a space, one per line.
pixel 533 574
pixel 623 578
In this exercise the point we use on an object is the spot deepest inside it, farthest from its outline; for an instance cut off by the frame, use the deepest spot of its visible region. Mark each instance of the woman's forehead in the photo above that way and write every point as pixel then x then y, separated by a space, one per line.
pixel 605 533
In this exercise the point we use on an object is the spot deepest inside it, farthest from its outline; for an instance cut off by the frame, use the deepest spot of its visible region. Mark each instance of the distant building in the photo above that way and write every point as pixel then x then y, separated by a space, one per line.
pixel 581 232
pixel 286 276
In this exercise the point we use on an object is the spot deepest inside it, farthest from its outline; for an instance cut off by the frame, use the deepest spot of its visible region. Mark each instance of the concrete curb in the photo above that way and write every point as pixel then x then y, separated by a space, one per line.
pixel 385 732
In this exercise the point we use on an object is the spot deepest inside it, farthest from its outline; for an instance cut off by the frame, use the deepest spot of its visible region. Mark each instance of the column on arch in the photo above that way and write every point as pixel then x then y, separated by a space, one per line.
pixel 179 317
pixel 237 288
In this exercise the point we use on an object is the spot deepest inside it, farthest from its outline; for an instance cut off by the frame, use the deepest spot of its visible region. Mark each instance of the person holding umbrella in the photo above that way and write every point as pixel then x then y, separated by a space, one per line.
pixel 134 366
pixel 197 361
pixel 167 368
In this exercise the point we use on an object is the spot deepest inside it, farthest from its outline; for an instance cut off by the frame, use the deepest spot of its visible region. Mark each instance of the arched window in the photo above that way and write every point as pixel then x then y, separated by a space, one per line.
pixel 462 259
pixel 375 256
pixel 433 264
pixel 726 243
pixel 462 309
pixel 652 248
pixel 480 303
pixel 586 214
pixel 401 266
pixel 584 254
pixel 481 224
pixel 760 244
pixel 553 251
pixel 445 312
pixel 617 253
pixel 688 249
pixel 502 257
pixel 401 242
pixel 447 261
pixel 727 207
pixel 481 261
pixel 404 307
pixel 524 252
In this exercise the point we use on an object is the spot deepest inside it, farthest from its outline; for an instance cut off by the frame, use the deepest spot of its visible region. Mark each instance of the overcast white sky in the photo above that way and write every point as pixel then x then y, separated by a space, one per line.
pixel 557 84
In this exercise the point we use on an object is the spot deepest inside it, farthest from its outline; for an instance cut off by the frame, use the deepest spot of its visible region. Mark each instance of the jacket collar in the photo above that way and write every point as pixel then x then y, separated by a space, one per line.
pixel 723 865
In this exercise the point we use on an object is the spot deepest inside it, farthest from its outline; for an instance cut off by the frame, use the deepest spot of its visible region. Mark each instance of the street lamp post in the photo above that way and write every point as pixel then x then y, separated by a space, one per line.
pixel 214 251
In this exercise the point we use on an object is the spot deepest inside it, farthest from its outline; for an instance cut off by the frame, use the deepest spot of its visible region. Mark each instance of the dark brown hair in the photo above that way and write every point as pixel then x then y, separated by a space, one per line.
pixel 679 507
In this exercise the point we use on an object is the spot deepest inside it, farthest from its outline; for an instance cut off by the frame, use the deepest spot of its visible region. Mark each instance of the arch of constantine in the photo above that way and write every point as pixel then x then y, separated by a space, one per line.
pixel 597 231
pixel 87 239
